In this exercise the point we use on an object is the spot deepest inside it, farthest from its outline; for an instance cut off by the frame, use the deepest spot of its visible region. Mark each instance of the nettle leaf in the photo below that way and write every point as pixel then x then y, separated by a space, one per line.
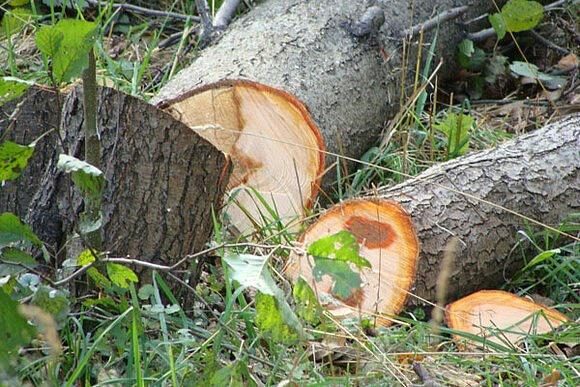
pixel 89 179
pixel 333 255
pixel 496 66
pixel 270 320
pixel 121 275
pixel 98 278
pixel 13 159
pixel 48 40
pixel 307 305
pixel 522 15
pixel 11 89
pixel 498 23
pixel 252 271
pixel 67 45
pixel 12 230
pixel 469 56
pixel 456 128
pixel 14 329
pixel 14 20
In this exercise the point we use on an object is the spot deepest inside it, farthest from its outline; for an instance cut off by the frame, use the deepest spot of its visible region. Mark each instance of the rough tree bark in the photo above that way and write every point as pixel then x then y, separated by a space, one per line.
pixel 163 180
pixel 536 175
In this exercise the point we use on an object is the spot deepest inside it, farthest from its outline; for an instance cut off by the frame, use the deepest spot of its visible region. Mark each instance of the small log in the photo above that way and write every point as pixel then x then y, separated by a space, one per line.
pixel 387 240
pixel 483 199
pixel 500 317
pixel 163 180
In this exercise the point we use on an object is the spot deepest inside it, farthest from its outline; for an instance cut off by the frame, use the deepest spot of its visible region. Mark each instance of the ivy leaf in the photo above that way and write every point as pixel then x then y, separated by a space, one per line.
pixel 522 15
pixel 11 89
pixel 14 329
pixel 121 275
pixel 270 320
pixel 13 159
pixel 89 179
pixel 498 23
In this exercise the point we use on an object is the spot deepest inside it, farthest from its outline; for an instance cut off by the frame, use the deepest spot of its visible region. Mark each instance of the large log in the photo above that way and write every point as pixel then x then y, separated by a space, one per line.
pixel 163 180
pixel 483 199
pixel 304 51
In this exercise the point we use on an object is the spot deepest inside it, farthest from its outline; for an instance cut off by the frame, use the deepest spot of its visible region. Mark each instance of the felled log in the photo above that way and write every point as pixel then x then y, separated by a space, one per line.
pixel 483 199
pixel 499 317
pixel 163 180
pixel 316 57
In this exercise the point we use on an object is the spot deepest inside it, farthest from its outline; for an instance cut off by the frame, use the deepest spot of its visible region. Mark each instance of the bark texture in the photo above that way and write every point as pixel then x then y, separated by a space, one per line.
pixel 536 175
pixel 350 84
pixel 163 180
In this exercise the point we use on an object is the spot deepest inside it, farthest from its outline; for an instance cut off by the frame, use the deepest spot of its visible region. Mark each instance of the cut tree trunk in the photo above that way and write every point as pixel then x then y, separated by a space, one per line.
pixel 163 180
pixel 499 317
pixel 302 51
pixel 474 198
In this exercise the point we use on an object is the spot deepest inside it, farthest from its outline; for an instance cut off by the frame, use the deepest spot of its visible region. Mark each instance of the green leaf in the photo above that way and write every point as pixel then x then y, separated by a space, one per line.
pixel 48 40
pixel 15 255
pixel 307 305
pixel 270 320
pixel 12 231
pixel 522 15
pixel 252 271
pixel 231 376
pixel 85 258
pixel 470 57
pixel 498 23
pixel 90 180
pixel 11 89
pixel 146 291
pixel 543 256
pixel 14 329
pixel 67 45
pixel 530 70
pixel 99 279
pixel 496 66
pixel 346 282
pixel 13 159
pixel 121 275
pixel 456 128
pixel 54 302
pixel 14 20
pixel 341 246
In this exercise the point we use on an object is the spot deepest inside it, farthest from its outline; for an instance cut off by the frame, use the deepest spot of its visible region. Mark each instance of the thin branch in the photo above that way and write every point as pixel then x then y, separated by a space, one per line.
pixel 490 32
pixel 548 43
pixel 206 22
pixel 225 14
pixel 142 10
pixel 444 16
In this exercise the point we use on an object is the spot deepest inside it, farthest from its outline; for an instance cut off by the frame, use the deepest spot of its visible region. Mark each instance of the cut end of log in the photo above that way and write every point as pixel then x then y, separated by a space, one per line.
pixel 387 240
pixel 276 148
pixel 500 317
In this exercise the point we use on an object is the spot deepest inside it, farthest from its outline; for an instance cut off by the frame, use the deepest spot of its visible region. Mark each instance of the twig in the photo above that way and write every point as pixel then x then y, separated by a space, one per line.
pixel 444 16
pixel 370 22
pixel 490 32
pixel 548 43
pixel 143 11
pixel 206 22
pixel 423 374
pixel 225 14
